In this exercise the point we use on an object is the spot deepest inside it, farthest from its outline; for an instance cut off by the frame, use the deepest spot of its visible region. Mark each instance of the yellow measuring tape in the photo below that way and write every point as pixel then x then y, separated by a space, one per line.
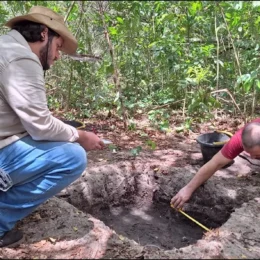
pixel 195 221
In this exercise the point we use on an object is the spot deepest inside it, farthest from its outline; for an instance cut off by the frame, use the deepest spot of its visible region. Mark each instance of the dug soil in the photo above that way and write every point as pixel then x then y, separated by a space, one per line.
pixel 120 207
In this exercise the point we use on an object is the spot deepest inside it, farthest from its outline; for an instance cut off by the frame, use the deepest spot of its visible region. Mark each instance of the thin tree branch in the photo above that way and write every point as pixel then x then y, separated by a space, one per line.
pixel 254 99
pixel 79 25
pixel 69 11
pixel 227 91
pixel 116 78
pixel 231 38
pixel 216 31
pixel 166 105
pixel 85 57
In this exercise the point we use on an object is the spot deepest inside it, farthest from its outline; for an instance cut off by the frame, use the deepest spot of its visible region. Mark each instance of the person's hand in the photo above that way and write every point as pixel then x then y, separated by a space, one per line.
pixel 181 197
pixel 89 141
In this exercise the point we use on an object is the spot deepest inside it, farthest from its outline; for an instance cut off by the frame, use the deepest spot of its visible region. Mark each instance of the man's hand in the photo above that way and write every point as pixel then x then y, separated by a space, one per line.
pixel 181 197
pixel 89 141
pixel 204 173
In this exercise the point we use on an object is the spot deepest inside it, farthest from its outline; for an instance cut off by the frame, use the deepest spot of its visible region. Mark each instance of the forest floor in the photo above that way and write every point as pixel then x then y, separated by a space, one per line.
pixel 120 207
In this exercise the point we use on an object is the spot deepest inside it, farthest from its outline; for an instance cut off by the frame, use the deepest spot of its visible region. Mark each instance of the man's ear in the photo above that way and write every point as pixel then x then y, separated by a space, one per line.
pixel 44 34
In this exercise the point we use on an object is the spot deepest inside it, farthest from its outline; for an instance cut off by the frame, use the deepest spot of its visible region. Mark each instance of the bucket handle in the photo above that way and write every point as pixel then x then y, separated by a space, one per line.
pixel 223 132
pixel 82 123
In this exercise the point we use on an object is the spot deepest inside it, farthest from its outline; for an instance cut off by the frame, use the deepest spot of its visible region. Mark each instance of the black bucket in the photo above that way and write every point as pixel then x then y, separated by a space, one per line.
pixel 207 144
pixel 75 123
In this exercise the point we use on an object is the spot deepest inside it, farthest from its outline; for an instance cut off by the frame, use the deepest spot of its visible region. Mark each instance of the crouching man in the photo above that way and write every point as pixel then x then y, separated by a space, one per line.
pixel 39 154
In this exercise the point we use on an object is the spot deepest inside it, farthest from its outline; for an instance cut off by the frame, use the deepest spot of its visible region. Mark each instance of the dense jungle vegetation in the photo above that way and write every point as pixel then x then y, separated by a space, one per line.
pixel 154 58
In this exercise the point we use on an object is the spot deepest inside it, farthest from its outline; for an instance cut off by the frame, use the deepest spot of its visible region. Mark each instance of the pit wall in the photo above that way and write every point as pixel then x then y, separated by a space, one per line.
pixel 123 184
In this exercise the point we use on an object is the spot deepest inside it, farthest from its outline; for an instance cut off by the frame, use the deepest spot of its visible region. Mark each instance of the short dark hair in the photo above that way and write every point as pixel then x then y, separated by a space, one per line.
pixel 251 135
pixel 31 31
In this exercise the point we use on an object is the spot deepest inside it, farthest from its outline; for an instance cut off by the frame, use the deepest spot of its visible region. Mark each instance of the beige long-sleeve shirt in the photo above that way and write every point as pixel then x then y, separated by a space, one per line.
pixel 23 102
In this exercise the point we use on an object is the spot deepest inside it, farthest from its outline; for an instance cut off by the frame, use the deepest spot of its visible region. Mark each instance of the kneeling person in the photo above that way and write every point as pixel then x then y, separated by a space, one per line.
pixel 246 139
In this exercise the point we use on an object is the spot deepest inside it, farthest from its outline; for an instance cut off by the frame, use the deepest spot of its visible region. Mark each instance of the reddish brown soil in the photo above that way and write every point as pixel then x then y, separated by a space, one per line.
pixel 131 194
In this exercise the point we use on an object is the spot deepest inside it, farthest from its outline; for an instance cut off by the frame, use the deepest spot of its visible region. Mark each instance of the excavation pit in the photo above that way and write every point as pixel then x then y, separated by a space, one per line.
pixel 157 226
pixel 135 205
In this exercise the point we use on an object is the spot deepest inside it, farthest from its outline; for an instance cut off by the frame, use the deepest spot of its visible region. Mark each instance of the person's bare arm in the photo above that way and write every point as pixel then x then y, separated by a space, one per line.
pixel 204 173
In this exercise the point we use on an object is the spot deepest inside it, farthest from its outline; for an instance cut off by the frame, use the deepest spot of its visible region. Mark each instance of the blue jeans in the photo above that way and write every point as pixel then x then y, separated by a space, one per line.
pixel 39 170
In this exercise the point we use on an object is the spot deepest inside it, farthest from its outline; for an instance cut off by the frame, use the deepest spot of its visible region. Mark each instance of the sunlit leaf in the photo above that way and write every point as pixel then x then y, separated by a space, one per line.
pixel 112 30
pixel 120 20
pixel 117 96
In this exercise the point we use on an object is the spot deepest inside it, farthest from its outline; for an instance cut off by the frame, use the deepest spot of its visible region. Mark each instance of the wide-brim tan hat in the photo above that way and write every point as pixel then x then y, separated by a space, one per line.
pixel 46 16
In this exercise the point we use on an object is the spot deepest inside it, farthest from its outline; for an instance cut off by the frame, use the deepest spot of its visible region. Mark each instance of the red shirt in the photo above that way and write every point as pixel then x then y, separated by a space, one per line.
pixel 234 146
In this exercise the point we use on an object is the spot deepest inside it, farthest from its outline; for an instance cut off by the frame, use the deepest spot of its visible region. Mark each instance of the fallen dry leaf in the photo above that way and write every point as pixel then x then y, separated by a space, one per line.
pixel 121 237
pixel 75 229
pixel 53 240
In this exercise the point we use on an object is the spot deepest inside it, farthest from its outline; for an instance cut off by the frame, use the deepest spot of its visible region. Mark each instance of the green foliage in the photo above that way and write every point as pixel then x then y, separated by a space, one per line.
pixel 131 125
pixel 136 151
pixel 166 51
pixel 246 81
pixel 160 119
pixel 186 126
pixel 151 144
pixel 112 147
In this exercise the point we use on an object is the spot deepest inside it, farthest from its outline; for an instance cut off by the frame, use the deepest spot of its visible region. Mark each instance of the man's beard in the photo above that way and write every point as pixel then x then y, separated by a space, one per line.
pixel 45 56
